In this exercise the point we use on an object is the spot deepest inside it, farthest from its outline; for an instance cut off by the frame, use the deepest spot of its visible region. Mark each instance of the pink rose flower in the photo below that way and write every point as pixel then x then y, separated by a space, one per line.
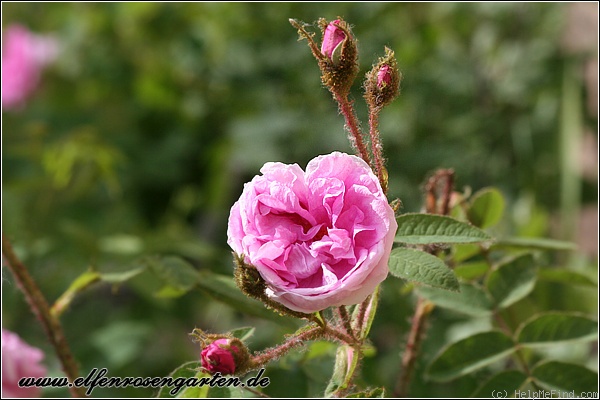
pixel 19 360
pixel 24 54
pixel 217 357
pixel 318 238
pixel 332 38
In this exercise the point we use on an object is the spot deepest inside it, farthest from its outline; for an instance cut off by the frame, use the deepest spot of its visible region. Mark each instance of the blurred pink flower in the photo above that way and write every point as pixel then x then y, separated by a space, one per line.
pixel 19 360
pixel 318 238
pixel 24 54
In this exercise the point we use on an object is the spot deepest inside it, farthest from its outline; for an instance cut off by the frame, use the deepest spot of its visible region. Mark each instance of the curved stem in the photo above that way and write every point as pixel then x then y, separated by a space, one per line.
pixel 41 309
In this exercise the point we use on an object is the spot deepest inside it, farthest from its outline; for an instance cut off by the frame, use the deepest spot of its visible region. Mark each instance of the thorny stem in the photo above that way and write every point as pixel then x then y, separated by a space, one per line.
pixel 424 307
pixel 313 333
pixel 41 309
pixel 376 146
pixel 345 319
pixel 417 331
pixel 353 126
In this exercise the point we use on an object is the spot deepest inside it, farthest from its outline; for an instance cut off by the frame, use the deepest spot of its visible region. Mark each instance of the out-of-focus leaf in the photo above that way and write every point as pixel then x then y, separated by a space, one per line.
pixel 502 385
pixel 512 280
pixel 119 277
pixel 534 243
pixel 549 328
pixel 418 266
pixel 486 208
pixel 223 288
pixel 175 271
pixel 471 270
pixel 243 333
pixel 471 299
pixel 188 370
pixel 565 276
pixel 470 354
pixel 430 229
pixel 122 342
pixel 565 377
pixel 169 292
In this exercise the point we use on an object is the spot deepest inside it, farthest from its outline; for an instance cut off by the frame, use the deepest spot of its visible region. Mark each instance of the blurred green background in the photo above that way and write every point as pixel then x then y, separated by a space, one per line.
pixel 143 132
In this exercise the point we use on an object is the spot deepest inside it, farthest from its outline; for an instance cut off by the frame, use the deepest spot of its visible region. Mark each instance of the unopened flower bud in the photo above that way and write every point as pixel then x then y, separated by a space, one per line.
pixel 220 356
pixel 384 76
pixel 382 83
pixel 333 39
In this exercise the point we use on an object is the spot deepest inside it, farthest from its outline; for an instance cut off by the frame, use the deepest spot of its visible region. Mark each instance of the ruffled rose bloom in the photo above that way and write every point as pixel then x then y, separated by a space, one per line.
pixel 318 238
pixel 24 54
pixel 19 360
pixel 218 357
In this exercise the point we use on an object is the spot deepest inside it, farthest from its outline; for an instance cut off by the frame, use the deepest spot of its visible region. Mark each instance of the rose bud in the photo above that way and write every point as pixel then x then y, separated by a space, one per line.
pixel 333 39
pixel 220 356
pixel 382 83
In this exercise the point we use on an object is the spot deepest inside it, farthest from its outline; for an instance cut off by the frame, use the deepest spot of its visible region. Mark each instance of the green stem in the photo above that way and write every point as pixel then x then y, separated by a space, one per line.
pixel 41 309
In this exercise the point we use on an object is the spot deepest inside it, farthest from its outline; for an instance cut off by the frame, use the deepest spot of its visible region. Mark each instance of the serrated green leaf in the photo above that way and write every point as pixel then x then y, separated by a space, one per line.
pixel 565 377
pixel 502 385
pixel 471 270
pixel 534 243
pixel 431 228
pixel 565 276
pixel 243 333
pixel 471 299
pixel 512 280
pixel 418 266
pixel 486 208
pixel 550 328
pixel 223 288
pixel 186 370
pixel 174 271
pixel 470 354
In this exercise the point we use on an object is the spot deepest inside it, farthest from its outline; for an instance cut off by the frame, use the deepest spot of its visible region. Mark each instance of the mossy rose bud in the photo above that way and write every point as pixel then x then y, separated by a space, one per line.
pixel 220 356
pixel 382 83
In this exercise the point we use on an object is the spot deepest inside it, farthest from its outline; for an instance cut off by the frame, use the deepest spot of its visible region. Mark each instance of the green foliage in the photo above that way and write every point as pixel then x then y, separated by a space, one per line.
pixel 502 385
pixel 565 377
pixel 429 229
pixel 470 354
pixel 119 173
pixel 418 266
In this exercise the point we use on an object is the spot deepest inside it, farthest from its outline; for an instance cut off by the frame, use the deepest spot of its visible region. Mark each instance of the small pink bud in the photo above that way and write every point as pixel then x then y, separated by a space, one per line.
pixel 218 357
pixel 384 76
pixel 333 38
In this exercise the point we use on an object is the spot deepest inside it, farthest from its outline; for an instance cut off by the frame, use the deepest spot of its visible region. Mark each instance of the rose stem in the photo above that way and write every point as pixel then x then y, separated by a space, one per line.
pixel 352 124
pixel 376 146
pixel 424 307
pixel 41 309
pixel 345 319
